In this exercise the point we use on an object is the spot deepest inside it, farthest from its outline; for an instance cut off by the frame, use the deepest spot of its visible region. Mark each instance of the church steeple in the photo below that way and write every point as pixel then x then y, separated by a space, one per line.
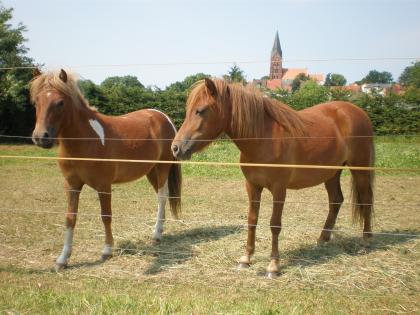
pixel 276 46
pixel 276 66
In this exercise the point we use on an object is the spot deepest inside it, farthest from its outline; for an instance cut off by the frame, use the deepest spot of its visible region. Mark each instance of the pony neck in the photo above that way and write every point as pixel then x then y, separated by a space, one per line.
pixel 247 145
pixel 77 126
pixel 252 145
pixel 251 116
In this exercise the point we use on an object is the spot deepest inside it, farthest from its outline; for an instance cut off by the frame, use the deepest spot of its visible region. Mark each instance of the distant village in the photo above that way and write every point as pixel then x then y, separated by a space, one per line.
pixel 280 77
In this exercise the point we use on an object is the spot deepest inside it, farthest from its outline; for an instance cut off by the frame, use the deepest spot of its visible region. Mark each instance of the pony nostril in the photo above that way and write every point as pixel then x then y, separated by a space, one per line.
pixel 45 135
pixel 175 149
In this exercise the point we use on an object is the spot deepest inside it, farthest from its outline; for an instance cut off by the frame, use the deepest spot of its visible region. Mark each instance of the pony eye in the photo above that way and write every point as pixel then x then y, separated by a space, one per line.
pixel 200 112
pixel 59 104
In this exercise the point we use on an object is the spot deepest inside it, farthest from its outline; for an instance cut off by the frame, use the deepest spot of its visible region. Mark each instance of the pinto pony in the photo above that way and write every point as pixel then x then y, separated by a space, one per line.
pixel 267 131
pixel 64 116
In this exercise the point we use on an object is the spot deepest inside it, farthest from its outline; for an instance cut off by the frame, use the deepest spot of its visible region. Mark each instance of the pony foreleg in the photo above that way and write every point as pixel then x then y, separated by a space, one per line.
pixel 61 261
pixel 71 216
pixel 163 194
pixel 254 196
pixel 279 197
pixel 106 214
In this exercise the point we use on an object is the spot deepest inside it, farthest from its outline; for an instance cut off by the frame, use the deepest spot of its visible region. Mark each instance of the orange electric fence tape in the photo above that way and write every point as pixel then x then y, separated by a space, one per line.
pixel 304 166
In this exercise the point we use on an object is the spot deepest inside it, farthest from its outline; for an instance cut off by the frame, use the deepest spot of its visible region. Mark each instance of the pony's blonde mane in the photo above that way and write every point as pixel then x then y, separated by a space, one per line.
pixel 51 81
pixel 249 106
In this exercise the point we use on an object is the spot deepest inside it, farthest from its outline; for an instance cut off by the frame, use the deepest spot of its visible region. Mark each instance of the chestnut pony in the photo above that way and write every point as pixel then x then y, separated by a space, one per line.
pixel 64 115
pixel 267 131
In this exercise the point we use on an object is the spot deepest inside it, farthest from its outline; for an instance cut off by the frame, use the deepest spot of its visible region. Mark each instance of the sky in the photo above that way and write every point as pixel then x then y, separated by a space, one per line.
pixel 161 42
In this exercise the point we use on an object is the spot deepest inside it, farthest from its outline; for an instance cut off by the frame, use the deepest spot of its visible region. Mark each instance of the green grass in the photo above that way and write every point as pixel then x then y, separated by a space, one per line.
pixel 138 297
pixel 391 152
pixel 193 269
pixel 398 152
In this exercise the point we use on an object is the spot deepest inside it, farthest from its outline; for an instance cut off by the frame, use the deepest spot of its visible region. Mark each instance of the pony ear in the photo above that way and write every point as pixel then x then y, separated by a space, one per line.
pixel 211 87
pixel 63 76
pixel 36 72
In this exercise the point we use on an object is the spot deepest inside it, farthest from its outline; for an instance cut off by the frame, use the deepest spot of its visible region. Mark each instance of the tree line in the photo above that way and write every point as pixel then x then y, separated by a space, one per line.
pixel 390 114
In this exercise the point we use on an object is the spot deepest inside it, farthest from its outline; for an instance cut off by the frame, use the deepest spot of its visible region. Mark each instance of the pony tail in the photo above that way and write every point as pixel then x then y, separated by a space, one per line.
pixel 175 187
pixel 356 208
pixel 361 211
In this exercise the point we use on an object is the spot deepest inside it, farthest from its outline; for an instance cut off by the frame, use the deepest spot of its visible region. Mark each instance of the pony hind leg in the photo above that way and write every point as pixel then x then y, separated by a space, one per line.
pixel 335 200
pixel 158 176
pixel 73 193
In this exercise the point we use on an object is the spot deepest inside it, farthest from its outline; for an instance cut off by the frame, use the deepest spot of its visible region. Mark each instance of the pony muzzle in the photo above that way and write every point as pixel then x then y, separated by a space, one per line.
pixel 182 150
pixel 43 139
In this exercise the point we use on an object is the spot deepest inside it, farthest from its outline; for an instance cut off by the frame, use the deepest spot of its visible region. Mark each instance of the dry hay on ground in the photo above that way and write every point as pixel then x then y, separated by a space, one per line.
pixel 205 246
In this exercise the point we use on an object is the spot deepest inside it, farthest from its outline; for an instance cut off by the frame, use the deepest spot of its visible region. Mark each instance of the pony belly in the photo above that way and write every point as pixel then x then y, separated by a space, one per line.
pixel 127 172
pixel 309 177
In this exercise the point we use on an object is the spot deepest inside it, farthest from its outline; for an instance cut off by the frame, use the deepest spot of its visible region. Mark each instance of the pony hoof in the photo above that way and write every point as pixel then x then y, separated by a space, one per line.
pixel 272 274
pixel 105 257
pixel 366 241
pixel 60 267
pixel 243 266
pixel 156 241
pixel 321 241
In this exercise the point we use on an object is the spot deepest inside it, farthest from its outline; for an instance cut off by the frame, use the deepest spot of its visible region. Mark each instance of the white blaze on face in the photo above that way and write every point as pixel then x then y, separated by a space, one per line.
pixel 97 127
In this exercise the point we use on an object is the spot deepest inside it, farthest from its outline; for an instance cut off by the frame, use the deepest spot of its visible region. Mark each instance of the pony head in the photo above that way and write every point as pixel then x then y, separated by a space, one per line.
pixel 53 94
pixel 206 118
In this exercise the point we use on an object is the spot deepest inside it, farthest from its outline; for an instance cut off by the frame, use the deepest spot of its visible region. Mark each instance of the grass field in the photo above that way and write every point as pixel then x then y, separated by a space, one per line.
pixel 193 269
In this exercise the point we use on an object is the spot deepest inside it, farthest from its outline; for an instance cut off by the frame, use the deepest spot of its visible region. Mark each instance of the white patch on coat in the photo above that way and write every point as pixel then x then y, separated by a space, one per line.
pixel 68 243
pixel 163 194
pixel 172 124
pixel 97 127
pixel 48 94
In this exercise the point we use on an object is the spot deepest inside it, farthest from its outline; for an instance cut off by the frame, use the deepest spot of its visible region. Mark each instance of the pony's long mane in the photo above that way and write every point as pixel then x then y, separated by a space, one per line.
pixel 249 106
pixel 51 81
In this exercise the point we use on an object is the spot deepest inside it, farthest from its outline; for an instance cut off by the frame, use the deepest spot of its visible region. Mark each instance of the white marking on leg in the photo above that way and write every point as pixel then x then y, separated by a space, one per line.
pixel 163 194
pixel 68 243
pixel 107 251
pixel 97 127
pixel 172 124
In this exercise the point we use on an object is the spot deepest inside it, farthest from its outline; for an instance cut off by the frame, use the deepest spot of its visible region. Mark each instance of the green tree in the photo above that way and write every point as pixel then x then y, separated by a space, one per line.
pixel 375 76
pixel 95 95
pixel 411 75
pixel 412 96
pixel 390 114
pixel 235 74
pixel 184 85
pixel 297 81
pixel 340 94
pixel 335 79
pixel 120 95
pixel 128 81
pixel 124 94
pixel 173 104
pixel 309 94
pixel 16 112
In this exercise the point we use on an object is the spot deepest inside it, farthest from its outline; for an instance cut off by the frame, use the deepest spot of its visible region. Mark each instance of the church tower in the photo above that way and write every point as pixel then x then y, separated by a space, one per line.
pixel 276 66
